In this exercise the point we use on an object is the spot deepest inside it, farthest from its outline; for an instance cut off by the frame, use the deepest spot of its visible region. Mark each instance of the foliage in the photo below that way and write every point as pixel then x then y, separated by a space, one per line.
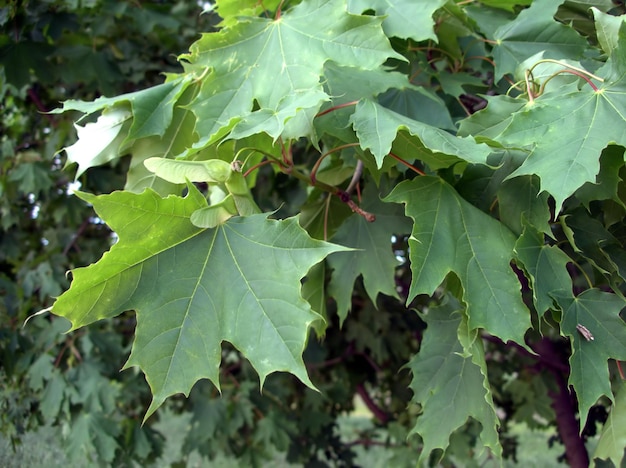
pixel 325 195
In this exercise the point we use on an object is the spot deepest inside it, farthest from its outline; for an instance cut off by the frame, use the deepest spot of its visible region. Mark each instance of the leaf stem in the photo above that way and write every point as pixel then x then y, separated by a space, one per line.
pixel 410 166
pixel 337 107
pixel 262 163
pixel 358 170
pixel 573 72
pixel 316 166
pixel 570 67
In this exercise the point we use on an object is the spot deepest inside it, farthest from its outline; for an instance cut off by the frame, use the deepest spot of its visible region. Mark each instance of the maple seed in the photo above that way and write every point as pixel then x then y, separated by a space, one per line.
pixel 584 332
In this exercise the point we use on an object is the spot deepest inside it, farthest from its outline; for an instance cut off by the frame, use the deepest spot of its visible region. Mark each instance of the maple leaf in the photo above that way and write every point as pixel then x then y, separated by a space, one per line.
pixel 613 437
pixel 378 129
pixel 290 53
pixel 520 203
pixel 449 386
pixel 194 288
pixel 598 312
pixel 124 119
pixel 567 133
pixel 535 30
pixel 101 141
pixel 372 258
pixel 546 267
pixel 451 235
pixel 403 18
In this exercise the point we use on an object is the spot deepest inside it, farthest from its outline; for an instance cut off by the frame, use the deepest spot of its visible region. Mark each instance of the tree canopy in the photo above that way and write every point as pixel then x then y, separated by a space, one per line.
pixel 412 208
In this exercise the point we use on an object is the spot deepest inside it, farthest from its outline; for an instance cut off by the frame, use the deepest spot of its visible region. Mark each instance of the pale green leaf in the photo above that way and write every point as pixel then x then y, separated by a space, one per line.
pixel 179 136
pixel 403 18
pixel 598 312
pixel 101 141
pixel 194 288
pixel 450 388
pixel 289 53
pixel 232 10
pixel 607 29
pixel 451 236
pixel 152 108
pixel 377 129
pixel 178 172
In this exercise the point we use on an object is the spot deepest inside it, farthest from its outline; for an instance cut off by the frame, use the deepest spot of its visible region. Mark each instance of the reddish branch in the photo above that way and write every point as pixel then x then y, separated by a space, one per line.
pixel 381 415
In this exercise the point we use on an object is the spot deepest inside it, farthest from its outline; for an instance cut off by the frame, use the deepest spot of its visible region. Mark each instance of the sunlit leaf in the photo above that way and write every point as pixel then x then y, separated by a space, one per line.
pixel 194 288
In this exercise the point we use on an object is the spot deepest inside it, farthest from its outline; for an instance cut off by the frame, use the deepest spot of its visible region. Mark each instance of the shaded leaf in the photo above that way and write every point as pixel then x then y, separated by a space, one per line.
pixel 520 203
pixel 546 267
pixel 613 437
pixel 372 257
pixel 451 236
pixel 598 312
pixel 450 388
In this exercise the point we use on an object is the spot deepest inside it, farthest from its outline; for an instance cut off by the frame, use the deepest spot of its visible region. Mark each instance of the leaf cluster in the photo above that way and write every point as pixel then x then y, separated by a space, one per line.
pixel 427 214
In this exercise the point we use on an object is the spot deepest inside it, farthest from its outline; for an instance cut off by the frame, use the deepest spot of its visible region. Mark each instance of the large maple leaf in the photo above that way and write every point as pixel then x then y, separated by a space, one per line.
pixel 567 132
pixel 450 385
pixel 450 235
pixel 194 288
pixel 277 65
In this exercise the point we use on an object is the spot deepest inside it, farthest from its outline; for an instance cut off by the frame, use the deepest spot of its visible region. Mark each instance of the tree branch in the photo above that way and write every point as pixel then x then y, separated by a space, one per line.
pixel 564 405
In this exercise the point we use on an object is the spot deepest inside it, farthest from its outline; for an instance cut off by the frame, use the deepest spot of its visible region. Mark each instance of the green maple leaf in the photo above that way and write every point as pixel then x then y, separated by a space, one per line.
pixel 607 28
pixel 178 136
pixel 349 84
pixel 372 258
pixel 450 235
pixel 449 386
pixel 403 18
pixel 598 312
pixel 613 438
pixel 519 203
pixel 124 119
pixel 490 122
pixel 194 288
pixel 278 65
pixel 546 267
pixel 378 129
pixel 568 132
pixel 535 30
